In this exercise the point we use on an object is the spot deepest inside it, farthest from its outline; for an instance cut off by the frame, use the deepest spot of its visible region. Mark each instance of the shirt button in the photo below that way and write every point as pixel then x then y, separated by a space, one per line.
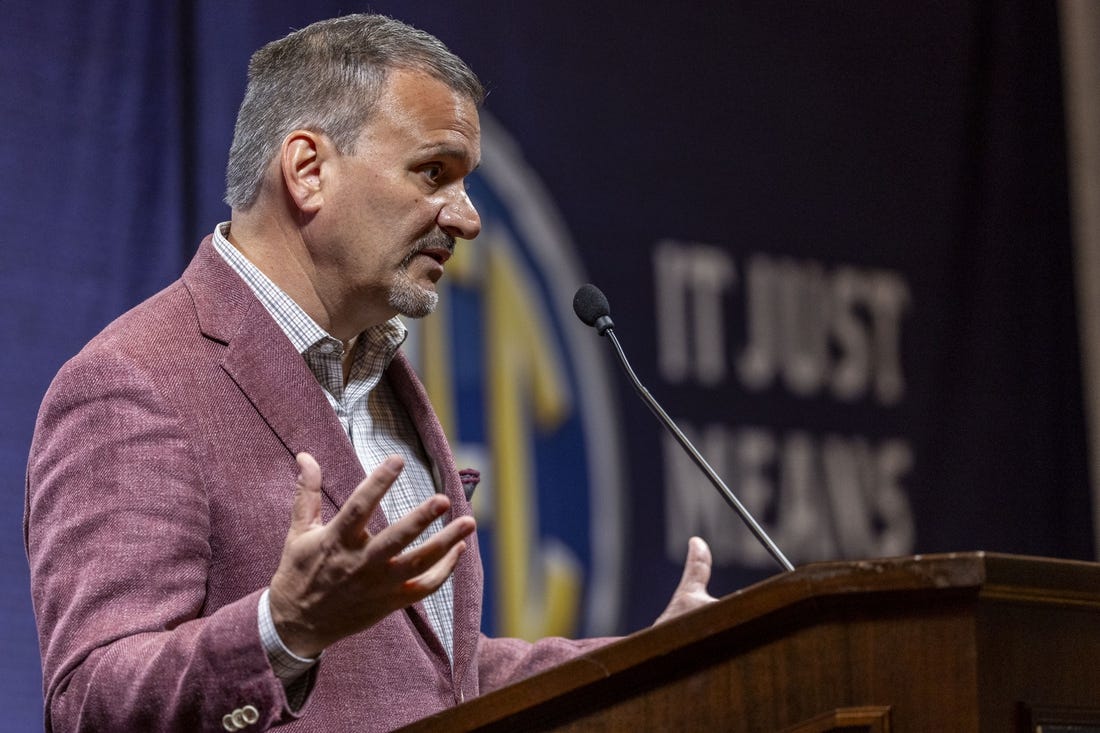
pixel 326 348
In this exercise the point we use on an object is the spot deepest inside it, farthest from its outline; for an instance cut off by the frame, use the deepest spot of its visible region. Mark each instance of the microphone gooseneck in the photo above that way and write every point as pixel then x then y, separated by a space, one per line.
pixel 591 306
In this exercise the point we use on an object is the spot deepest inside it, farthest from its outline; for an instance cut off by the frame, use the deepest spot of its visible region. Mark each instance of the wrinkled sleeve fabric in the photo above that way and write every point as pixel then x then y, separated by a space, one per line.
pixel 118 537
pixel 503 661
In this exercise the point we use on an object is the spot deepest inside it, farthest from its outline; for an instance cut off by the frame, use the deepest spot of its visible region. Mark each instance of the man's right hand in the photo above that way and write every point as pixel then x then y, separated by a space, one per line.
pixel 337 579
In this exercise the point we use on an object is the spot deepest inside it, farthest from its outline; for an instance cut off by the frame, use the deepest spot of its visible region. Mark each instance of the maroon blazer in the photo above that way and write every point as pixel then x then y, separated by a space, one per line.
pixel 159 491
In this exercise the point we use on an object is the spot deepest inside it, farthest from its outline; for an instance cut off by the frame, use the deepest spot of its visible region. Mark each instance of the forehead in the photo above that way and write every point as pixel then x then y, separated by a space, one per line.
pixel 419 112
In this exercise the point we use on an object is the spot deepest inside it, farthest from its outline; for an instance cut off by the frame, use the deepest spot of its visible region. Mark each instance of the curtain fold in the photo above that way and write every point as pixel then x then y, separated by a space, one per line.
pixel 1080 30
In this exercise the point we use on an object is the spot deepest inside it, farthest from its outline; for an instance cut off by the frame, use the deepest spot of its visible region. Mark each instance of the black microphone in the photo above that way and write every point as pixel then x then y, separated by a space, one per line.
pixel 591 306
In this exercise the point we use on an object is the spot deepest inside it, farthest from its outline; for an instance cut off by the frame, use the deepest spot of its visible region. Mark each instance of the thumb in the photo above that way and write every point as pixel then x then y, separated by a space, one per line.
pixel 306 512
pixel 697 567
pixel 692 591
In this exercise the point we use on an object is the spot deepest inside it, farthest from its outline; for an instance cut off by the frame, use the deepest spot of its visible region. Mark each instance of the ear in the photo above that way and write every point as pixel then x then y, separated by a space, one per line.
pixel 302 156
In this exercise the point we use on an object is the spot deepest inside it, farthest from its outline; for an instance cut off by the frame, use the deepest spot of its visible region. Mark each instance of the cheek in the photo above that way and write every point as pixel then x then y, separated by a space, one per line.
pixel 420 216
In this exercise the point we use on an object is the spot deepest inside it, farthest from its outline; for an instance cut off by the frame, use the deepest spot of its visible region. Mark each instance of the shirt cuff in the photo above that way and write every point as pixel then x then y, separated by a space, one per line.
pixel 286 665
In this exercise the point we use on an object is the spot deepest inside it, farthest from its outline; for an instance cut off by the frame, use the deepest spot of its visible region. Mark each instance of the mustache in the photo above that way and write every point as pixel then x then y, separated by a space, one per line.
pixel 433 240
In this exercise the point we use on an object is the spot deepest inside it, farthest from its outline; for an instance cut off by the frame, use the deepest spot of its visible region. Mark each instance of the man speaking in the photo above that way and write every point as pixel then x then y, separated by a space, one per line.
pixel 266 390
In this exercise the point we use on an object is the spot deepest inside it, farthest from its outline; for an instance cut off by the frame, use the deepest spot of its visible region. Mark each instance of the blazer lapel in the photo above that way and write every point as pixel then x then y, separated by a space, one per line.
pixel 468 573
pixel 272 375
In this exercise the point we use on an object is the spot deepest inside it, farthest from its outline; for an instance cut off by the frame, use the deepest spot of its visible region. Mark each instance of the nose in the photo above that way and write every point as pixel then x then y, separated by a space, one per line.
pixel 459 218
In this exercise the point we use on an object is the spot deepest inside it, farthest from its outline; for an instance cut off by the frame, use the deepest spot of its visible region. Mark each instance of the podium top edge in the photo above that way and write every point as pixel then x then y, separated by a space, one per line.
pixel 984 573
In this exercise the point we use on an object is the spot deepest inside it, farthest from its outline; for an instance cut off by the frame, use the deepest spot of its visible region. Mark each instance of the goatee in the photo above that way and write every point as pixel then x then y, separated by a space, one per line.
pixel 408 298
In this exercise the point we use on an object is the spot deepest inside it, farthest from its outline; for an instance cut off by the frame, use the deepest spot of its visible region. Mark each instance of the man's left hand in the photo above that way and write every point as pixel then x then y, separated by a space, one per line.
pixel 692 591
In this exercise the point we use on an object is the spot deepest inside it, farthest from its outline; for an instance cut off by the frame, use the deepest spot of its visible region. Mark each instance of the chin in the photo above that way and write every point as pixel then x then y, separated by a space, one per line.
pixel 414 301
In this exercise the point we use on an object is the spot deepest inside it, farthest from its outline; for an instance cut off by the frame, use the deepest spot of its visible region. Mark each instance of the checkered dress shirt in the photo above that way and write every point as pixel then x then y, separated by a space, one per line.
pixel 374 419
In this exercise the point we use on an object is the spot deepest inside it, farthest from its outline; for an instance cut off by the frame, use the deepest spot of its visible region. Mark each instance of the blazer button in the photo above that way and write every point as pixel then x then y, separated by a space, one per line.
pixel 240 718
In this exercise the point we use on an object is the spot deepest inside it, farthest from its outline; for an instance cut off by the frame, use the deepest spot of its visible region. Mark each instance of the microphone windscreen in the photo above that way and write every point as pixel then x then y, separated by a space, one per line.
pixel 590 304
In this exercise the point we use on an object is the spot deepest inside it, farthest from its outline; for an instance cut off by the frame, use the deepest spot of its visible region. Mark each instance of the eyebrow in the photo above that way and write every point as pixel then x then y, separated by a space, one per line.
pixel 444 150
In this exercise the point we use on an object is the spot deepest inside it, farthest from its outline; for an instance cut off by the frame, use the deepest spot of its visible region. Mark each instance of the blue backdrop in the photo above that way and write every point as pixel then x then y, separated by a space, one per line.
pixel 835 237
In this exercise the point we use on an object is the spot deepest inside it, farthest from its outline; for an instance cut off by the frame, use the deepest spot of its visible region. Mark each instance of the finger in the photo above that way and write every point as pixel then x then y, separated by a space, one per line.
pixel 417 560
pixel 350 523
pixel 429 581
pixel 306 510
pixel 399 535
pixel 697 567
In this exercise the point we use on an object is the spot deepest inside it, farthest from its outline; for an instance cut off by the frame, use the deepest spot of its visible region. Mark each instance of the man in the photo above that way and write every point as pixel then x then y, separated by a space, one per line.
pixel 265 384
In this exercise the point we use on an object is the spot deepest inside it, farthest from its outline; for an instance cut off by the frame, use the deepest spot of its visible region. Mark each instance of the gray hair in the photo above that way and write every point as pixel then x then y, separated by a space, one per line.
pixel 326 77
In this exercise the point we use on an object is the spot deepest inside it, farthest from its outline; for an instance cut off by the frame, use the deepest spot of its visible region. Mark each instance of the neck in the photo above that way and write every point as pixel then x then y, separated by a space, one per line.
pixel 281 250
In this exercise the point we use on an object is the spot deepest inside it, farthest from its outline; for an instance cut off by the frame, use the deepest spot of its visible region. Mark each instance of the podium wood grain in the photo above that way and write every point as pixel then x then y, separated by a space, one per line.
pixel 954 643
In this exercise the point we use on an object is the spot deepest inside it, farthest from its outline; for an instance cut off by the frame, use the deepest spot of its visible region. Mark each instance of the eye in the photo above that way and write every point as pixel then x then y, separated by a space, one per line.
pixel 432 171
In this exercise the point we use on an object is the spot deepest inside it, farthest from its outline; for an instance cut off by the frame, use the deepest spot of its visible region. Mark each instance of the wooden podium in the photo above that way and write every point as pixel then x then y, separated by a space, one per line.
pixel 939 643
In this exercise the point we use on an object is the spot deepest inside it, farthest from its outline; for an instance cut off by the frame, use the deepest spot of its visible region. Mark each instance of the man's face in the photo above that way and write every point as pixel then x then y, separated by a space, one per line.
pixel 399 199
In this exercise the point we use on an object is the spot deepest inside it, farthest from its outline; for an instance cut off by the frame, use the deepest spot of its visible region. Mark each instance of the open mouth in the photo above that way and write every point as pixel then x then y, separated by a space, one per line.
pixel 439 254
pixel 437 246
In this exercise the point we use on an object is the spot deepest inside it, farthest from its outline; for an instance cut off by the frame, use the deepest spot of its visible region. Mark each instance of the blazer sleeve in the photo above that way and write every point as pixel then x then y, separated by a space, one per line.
pixel 502 661
pixel 117 530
